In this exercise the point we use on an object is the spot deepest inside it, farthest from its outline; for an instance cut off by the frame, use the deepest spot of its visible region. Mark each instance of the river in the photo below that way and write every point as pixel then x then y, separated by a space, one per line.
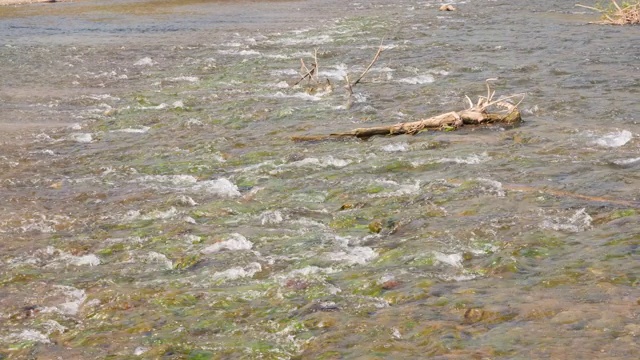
pixel 154 205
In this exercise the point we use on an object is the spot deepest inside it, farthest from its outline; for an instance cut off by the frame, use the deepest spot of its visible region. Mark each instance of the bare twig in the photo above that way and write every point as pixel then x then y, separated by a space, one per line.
pixel 616 5
pixel 627 14
pixel 589 7
pixel 308 73
pixel 375 58
pixel 470 102
pixel 349 88
pixel 316 63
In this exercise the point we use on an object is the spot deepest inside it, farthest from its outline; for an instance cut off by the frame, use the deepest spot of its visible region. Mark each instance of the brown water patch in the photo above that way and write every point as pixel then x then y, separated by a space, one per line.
pixel 138 8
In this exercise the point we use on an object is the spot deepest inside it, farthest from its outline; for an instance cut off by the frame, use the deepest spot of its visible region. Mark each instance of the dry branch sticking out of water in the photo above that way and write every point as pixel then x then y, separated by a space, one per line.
pixel 475 115
pixel 627 14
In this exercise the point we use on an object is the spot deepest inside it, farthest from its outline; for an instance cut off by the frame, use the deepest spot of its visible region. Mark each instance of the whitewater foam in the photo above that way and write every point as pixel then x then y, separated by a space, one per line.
pixel 472 159
pixel 417 80
pixel 145 61
pixel 238 272
pixel 221 186
pixel 141 130
pixel 578 222
pixel 81 137
pixel 614 139
pixel 399 147
pixel 358 255
pixel 271 217
pixel 454 260
pixel 235 242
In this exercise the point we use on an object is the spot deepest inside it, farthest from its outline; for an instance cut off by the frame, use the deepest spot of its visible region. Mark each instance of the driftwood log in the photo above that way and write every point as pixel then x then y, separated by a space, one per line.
pixel 485 111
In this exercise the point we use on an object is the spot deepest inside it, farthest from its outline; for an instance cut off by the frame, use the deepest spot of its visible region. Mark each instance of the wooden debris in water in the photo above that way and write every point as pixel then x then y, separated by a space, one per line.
pixel 351 85
pixel 627 14
pixel 485 111
pixel 311 74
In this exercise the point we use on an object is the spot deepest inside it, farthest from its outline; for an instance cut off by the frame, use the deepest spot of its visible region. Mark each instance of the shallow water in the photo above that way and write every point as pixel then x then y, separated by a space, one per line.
pixel 155 205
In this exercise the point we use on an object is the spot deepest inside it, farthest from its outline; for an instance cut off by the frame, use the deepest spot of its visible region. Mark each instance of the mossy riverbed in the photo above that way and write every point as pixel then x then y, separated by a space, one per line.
pixel 168 214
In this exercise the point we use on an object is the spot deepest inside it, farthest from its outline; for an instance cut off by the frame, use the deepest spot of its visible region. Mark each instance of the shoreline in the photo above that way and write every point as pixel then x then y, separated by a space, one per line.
pixel 24 2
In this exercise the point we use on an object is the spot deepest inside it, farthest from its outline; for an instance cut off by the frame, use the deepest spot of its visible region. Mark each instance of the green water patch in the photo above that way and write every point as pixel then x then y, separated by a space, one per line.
pixel 538 246
pixel 614 215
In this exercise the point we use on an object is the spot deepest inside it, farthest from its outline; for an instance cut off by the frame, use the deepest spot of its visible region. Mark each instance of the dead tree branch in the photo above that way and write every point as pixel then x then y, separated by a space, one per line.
pixel 503 112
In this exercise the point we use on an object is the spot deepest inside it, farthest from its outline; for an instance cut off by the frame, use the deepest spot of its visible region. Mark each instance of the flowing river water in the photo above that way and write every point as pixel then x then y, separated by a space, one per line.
pixel 154 205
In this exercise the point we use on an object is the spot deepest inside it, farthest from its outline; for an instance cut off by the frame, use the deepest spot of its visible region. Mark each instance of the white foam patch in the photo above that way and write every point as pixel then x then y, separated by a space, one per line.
pixel 308 271
pixel 285 72
pixel 279 85
pixel 240 53
pixel 191 239
pixel 175 180
pixel 74 298
pixel 384 69
pixel 300 95
pixel 238 272
pixel 492 187
pixel 53 326
pixel 186 201
pixel 623 162
pixel 614 139
pixel 191 79
pixel 90 260
pixel 454 260
pixel 458 277
pixel 402 189
pixel 193 122
pixel 278 56
pixel 189 220
pixel 578 222
pixel 271 217
pixel 157 258
pixel 337 72
pixel 158 107
pixel 221 187
pixel 130 240
pixel 308 223
pixel 153 215
pixel 140 350
pixel 417 80
pixel 307 40
pixel 358 255
pixel 145 61
pixel 399 147
pixel 472 159
pixel 39 226
pixel 327 161
pixel 51 257
pixel 45 223
pixel 234 243
pixel 100 97
pixel 81 137
pixel 141 130
pixel 44 152
pixel 30 335
pixel 359 98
